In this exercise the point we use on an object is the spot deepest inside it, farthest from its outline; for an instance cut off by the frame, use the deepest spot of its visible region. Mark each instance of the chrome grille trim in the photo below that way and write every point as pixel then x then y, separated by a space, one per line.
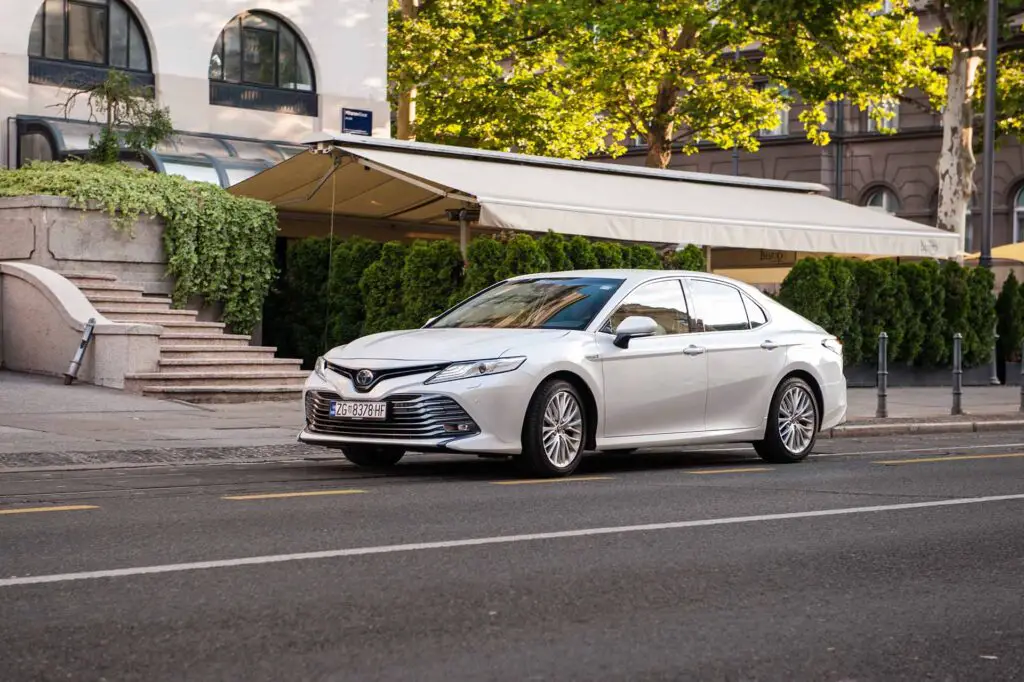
pixel 409 417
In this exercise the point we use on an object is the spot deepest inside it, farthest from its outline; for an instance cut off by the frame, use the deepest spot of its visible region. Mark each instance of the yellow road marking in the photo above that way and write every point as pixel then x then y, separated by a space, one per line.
pixel 279 496
pixel 951 458
pixel 36 510
pixel 744 470
pixel 574 479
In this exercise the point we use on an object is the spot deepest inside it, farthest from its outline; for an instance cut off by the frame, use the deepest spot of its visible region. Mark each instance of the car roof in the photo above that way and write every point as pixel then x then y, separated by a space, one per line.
pixel 632 276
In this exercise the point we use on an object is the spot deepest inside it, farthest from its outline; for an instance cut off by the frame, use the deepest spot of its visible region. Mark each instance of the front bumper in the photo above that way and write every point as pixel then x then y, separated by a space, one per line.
pixel 482 415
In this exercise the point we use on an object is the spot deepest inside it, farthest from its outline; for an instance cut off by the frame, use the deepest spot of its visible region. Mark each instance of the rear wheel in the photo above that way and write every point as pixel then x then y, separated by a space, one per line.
pixel 373 456
pixel 554 432
pixel 792 427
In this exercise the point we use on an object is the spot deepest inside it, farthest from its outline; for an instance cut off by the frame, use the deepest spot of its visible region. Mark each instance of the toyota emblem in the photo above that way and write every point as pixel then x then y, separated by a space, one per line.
pixel 364 377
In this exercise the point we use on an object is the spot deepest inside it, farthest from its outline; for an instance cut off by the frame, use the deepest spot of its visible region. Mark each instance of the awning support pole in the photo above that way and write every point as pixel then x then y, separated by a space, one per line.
pixel 707 259
pixel 463 234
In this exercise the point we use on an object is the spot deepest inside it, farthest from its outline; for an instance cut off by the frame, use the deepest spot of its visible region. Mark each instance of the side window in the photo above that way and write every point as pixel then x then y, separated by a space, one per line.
pixel 755 313
pixel 719 306
pixel 662 301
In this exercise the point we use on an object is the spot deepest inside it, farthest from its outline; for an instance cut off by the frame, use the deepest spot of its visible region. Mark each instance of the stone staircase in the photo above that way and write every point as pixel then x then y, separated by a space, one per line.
pixel 199 361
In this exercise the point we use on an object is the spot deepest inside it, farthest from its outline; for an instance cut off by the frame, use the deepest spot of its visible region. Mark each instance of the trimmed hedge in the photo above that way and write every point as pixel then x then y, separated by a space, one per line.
pixel 377 287
pixel 918 305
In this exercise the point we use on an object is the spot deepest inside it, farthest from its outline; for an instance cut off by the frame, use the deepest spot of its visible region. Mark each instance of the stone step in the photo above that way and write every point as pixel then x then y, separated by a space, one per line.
pixel 252 365
pixel 189 338
pixel 150 316
pixel 224 394
pixel 192 325
pixel 110 303
pixel 178 351
pixel 136 383
pixel 88 277
pixel 92 288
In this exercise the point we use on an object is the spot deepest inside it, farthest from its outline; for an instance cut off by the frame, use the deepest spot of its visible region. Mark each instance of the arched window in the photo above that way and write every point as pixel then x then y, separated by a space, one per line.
pixel 882 199
pixel 1018 215
pixel 259 62
pixel 86 38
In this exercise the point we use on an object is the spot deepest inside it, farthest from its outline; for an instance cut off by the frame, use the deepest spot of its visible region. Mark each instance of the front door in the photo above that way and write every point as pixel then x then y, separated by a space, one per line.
pixel 658 384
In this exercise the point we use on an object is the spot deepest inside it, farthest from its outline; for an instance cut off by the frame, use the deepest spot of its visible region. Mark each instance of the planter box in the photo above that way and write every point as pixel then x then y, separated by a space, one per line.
pixel 901 376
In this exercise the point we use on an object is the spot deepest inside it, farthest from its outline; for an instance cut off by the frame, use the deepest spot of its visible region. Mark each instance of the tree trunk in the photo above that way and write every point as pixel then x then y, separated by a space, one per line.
pixel 956 159
pixel 407 98
pixel 661 128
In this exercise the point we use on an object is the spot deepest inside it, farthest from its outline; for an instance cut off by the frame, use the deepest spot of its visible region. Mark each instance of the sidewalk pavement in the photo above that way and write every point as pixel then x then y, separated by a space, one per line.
pixel 40 415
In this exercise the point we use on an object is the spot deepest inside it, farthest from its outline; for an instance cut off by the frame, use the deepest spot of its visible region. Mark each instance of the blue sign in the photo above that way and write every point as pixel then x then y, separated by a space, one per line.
pixel 357 121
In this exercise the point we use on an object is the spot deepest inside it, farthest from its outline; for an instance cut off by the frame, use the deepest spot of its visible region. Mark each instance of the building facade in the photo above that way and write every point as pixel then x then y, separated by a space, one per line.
pixel 234 75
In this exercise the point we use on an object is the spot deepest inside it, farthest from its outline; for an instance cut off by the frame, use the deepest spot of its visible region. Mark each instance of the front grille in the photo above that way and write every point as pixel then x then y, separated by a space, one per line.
pixel 410 417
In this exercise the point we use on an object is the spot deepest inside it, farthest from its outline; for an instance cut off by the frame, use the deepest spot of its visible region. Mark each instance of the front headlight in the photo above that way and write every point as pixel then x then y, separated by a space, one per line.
pixel 321 367
pixel 834 345
pixel 475 368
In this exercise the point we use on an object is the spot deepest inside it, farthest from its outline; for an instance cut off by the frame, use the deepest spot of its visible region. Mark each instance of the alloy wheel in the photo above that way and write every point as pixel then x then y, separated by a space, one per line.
pixel 797 419
pixel 562 432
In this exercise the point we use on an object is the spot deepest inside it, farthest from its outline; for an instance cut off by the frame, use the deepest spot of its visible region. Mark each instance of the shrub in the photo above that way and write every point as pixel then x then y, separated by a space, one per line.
pixel 523 256
pixel 430 278
pixel 553 245
pixel 874 299
pixel 691 258
pixel 347 313
pixel 807 290
pixel 916 284
pixel 931 302
pixel 896 309
pixel 381 286
pixel 981 316
pixel 643 257
pixel 219 246
pixel 1010 311
pixel 957 304
pixel 581 253
pixel 842 307
pixel 486 257
pixel 302 300
pixel 609 255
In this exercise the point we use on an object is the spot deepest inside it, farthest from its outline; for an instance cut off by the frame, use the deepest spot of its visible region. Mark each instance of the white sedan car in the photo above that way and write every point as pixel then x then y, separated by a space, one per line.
pixel 545 367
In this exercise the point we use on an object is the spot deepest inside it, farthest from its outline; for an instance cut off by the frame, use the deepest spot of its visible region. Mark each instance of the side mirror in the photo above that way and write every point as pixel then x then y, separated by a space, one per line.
pixel 634 327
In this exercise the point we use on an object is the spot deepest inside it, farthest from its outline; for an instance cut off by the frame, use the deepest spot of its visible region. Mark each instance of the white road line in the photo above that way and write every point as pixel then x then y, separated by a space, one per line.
pixel 497 540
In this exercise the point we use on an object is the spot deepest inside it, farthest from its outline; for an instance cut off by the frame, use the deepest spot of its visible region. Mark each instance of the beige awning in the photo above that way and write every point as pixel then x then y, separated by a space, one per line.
pixel 415 182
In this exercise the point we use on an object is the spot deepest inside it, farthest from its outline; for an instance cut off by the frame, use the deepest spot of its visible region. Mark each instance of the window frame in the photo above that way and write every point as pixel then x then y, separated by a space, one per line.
pixel 282 26
pixel 892 124
pixel 603 325
pixel 884 191
pixel 744 296
pixel 1018 214
pixel 782 129
pixel 106 65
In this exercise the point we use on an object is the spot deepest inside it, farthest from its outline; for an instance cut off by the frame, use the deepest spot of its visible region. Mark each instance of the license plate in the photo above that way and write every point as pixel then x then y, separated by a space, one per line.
pixel 359 410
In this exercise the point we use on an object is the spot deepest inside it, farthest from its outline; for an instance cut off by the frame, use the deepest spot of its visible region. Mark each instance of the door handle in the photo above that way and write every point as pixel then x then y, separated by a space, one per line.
pixel 769 345
pixel 693 350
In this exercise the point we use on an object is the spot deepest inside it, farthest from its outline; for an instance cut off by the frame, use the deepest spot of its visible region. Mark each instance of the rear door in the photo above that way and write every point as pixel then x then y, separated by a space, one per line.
pixel 743 359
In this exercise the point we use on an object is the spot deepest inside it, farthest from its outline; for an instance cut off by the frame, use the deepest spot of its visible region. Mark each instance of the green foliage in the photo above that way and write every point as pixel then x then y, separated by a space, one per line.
pixel 554 247
pixel 806 291
pixel 130 116
pixel 918 305
pixel 523 255
pixel 351 259
pixel 643 257
pixel 302 301
pixel 486 256
pixel 430 278
pixel 581 253
pixel 981 316
pixel 219 246
pixel 691 258
pixel 1010 311
pixel 609 255
pixel 381 286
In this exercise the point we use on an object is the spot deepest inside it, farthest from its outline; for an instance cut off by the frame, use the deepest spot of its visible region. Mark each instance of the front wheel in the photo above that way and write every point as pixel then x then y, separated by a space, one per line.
pixel 373 456
pixel 792 427
pixel 554 432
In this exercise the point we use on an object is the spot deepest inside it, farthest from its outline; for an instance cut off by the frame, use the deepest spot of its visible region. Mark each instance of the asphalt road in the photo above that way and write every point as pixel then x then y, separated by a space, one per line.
pixel 874 560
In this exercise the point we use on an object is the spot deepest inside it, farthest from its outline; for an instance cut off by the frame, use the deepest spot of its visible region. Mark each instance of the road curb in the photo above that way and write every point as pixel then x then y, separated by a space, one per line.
pixel 910 428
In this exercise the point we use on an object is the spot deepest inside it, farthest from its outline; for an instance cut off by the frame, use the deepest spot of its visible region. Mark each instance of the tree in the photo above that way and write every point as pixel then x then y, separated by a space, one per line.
pixel 130 116
pixel 1010 310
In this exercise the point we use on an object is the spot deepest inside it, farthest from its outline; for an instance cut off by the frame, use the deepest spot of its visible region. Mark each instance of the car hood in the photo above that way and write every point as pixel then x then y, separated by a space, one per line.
pixel 444 345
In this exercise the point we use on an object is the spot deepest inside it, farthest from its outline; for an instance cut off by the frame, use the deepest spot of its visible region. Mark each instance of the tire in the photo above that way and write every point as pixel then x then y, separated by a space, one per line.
pixel 794 397
pixel 556 415
pixel 620 451
pixel 373 456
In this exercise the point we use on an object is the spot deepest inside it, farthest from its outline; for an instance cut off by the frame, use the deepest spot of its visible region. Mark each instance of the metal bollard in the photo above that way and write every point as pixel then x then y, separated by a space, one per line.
pixel 76 362
pixel 994 379
pixel 958 373
pixel 882 410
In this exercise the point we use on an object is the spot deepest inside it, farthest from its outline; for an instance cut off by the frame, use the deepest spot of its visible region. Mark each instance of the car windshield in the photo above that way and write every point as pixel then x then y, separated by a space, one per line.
pixel 541 303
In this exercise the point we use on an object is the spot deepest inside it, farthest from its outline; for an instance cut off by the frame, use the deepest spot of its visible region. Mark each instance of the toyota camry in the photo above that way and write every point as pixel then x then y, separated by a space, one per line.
pixel 545 367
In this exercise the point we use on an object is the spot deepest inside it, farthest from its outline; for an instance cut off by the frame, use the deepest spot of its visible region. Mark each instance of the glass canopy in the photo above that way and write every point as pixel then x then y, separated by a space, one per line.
pixel 219 159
